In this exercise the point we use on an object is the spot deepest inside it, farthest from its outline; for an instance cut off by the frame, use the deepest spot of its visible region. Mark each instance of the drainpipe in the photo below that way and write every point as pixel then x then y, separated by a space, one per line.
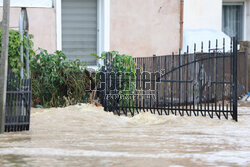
pixel 181 22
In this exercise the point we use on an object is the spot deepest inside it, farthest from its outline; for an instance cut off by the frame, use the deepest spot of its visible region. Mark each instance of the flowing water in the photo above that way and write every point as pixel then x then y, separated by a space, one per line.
pixel 87 136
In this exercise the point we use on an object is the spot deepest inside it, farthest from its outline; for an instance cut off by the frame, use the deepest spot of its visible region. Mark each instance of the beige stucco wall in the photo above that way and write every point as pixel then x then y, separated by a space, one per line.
pixel 142 28
pixel 42 26
pixel 138 27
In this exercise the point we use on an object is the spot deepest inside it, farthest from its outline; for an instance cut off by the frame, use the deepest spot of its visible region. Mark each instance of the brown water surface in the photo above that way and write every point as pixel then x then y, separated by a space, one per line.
pixel 87 136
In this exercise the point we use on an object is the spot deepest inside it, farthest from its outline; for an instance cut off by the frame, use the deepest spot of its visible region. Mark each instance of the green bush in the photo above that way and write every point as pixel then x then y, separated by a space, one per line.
pixel 57 82
pixel 125 66
pixel 14 49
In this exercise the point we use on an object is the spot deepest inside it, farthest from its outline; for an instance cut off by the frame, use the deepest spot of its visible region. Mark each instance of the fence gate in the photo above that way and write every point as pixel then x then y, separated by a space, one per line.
pixel 18 101
pixel 18 95
pixel 192 84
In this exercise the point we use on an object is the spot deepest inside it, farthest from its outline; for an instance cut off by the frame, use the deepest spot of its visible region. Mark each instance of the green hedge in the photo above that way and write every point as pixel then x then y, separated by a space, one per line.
pixel 57 82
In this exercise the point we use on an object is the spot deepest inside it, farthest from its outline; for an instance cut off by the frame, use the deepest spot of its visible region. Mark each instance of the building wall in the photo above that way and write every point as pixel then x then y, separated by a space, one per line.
pixel 138 28
pixel 203 14
pixel 42 25
pixel 142 28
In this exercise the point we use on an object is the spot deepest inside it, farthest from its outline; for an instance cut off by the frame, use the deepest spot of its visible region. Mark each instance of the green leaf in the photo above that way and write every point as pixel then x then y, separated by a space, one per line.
pixel 95 55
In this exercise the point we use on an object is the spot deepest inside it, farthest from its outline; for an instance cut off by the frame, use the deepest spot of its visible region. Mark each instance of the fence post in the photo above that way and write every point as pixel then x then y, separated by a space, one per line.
pixel 235 81
pixel 153 87
pixel 4 62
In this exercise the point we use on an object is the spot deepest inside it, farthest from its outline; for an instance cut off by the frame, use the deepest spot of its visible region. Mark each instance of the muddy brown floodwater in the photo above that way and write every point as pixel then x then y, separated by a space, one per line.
pixel 87 136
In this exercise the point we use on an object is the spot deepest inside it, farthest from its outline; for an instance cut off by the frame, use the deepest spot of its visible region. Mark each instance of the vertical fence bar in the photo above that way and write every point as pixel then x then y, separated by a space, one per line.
pixel 209 80
pixel 17 103
pixel 200 82
pixel 168 85
pixel 194 83
pixel 29 102
pixel 165 83
pixel 124 105
pixel 131 110
pixel 231 80
pixel 223 80
pixel 157 86
pixel 152 85
pixel 203 81
pixel 137 85
pixel 172 89
pixel 179 82
pixel 235 82
pixel 187 83
pixel 117 85
pixel 216 80
pixel 175 81
pixel 144 87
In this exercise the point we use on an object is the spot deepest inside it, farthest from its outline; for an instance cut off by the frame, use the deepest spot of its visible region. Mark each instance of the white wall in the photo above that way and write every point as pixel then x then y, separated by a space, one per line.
pixel 203 23
pixel 203 14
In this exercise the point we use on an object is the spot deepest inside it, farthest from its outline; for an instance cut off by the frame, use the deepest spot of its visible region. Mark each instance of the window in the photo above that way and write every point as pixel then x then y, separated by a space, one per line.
pixel 233 20
pixel 79 30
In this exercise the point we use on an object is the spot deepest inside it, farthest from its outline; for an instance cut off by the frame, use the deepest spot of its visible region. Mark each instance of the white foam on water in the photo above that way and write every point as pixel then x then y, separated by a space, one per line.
pixel 79 153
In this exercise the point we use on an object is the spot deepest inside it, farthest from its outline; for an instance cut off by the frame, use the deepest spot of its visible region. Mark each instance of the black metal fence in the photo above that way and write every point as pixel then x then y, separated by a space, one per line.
pixel 181 84
pixel 18 103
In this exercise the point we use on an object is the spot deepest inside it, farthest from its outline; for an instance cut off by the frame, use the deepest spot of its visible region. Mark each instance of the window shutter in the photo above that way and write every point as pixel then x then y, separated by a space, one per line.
pixel 79 30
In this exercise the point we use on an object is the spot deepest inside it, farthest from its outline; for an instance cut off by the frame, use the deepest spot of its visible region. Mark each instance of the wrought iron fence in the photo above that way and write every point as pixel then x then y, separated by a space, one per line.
pixel 18 103
pixel 189 84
